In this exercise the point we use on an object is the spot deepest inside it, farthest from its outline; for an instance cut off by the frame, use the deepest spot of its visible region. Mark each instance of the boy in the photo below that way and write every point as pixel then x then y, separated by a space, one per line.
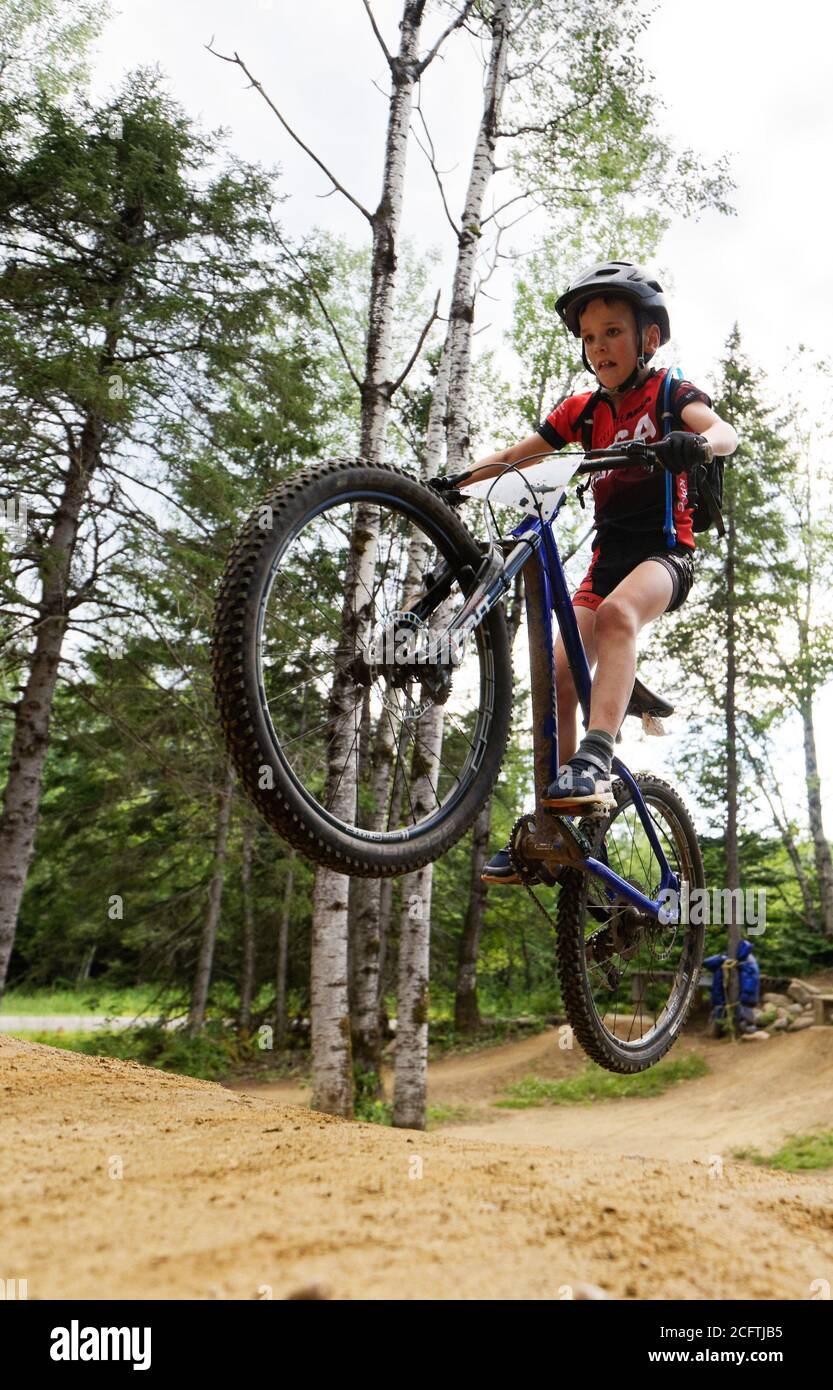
pixel 621 318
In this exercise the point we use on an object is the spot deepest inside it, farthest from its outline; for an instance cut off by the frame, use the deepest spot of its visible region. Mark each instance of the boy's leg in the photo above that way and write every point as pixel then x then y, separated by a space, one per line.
pixel 565 690
pixel 638 598
pixel 499 868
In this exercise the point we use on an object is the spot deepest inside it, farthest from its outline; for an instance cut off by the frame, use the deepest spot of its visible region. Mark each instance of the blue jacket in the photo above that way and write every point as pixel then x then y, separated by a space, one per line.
pixel 749 975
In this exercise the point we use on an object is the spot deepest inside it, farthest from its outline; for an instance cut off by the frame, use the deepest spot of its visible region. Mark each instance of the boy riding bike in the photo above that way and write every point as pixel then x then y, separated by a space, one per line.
pixel 621 318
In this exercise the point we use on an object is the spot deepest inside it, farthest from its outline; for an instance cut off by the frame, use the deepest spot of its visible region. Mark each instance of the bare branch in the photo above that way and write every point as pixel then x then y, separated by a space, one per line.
pixel 418 349
pixel 382 43
pixel 455 24
pixel 517 198
pixel 307 279
pixel 537 62
pixel 435 171
pixel 238 62
pixel 519 24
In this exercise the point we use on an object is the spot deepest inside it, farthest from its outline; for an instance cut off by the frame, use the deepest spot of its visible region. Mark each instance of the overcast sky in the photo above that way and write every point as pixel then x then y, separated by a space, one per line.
pixel 739 77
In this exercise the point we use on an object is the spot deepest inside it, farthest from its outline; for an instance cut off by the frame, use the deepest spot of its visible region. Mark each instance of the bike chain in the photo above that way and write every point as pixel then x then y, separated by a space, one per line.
pixel 527 879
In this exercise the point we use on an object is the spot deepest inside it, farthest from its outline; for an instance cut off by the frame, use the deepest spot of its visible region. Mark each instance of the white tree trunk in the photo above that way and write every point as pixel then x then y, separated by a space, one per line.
pixel 448 422
pixel 331 1040
pixel 411 1055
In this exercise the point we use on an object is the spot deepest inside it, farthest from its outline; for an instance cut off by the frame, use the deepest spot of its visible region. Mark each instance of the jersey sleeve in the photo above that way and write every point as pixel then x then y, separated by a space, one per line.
pixel 559 428
pixel 686 394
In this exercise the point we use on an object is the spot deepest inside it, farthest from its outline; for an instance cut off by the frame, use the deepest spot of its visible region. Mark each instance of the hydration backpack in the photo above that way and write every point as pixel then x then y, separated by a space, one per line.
pixel 705 480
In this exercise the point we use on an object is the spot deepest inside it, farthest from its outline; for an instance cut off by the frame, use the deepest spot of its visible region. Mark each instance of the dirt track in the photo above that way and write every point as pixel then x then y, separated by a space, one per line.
pixel 224 1193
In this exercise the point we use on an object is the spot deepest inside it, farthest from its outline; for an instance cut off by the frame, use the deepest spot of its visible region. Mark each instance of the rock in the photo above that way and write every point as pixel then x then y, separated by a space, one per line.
pixel 781 1001
pixel 801 991
pixel 312 1291
pixel 800 1023
pixel 795 1010
pixel 760 1035
pixel 778 1026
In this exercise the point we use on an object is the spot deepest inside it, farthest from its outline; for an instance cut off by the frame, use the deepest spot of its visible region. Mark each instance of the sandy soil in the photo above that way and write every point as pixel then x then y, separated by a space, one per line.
pixel 120 1181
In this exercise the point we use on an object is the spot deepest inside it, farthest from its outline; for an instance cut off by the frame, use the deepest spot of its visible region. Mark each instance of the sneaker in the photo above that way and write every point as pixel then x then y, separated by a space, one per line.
pixel 582 782
pixel 500 869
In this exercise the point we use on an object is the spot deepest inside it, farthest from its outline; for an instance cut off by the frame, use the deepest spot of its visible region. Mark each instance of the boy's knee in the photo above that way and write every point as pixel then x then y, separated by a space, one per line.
pixel 615 615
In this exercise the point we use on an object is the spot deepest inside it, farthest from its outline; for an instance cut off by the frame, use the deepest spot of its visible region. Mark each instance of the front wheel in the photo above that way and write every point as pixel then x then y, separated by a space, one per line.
pixel 628 981
pixel 367 743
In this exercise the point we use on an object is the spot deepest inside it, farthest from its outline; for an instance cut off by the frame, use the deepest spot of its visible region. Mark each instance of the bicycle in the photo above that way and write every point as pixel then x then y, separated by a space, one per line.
pixel 370 740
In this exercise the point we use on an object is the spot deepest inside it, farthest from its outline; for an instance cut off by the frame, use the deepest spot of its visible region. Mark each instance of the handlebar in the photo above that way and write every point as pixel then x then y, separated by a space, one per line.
pixel 631 453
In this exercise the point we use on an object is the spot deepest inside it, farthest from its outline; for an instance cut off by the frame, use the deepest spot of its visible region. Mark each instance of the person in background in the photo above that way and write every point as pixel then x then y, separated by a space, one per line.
pixel 749 981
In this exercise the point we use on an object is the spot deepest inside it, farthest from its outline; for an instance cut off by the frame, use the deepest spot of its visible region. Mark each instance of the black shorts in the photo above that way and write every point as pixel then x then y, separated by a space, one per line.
pixel 610 565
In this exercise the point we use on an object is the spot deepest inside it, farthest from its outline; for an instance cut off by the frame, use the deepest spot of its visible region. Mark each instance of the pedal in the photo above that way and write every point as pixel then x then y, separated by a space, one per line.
pixel 600 805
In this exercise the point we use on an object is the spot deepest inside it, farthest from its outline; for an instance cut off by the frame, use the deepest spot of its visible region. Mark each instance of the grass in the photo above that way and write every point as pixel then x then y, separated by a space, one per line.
pixel 213 1055
pixel 89 999
pixel 595 1084
pixel 380 1112
pixel 796 1155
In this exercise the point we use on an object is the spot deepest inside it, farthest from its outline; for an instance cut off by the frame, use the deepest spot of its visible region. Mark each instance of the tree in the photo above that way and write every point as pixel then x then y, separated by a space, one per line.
pixel 44 43
pixel 134 295
pixel 542 116
pixel 332 1059
pixel 802 645
pixel 722 639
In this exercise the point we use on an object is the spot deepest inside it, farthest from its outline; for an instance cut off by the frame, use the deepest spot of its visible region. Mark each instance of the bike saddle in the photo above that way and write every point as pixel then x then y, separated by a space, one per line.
pixel 644 701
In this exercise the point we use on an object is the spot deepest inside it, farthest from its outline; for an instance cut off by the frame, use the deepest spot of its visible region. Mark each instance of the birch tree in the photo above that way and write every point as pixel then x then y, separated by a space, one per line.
pixel 376 385
pixel 525 44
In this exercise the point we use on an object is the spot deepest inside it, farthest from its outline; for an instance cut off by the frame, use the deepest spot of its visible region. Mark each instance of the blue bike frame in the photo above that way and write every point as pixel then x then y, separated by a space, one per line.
pixel 536 553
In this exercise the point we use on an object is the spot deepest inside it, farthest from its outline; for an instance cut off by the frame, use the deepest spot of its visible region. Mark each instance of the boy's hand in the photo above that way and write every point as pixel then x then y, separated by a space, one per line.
pixel 445 486
pixel 679 451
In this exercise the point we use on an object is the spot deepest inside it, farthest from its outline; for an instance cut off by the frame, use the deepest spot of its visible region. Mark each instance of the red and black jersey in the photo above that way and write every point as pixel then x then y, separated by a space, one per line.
pixel 629 501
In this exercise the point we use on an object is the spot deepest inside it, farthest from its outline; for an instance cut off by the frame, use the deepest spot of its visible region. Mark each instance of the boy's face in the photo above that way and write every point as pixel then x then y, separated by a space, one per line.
pixel 608 332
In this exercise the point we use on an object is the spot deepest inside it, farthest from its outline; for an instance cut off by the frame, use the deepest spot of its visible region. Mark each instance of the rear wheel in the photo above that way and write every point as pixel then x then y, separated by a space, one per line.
pixel 627 979
pixel 367 743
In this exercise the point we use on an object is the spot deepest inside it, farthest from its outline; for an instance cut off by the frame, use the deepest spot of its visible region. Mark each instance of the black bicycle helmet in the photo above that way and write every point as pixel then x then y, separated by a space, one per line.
pixel 626 281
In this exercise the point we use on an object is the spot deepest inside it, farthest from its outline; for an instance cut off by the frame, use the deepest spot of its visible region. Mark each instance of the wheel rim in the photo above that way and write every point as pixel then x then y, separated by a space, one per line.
pixel 403 767
pixel 639 974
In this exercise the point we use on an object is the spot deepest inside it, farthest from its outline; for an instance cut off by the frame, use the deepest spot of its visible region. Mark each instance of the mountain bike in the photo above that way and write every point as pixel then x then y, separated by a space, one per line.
pixel 363 676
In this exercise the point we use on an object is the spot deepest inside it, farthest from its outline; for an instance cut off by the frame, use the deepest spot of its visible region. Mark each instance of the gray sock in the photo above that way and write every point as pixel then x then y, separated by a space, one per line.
pixel 600 743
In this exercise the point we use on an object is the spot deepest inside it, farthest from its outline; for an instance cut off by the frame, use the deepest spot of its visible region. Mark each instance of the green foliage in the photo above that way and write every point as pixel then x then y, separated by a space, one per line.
pixel 587 117
pixel 96 998
pixel 44 44
pixel 801 1153
pixel 594 1084
pixel 213 1054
